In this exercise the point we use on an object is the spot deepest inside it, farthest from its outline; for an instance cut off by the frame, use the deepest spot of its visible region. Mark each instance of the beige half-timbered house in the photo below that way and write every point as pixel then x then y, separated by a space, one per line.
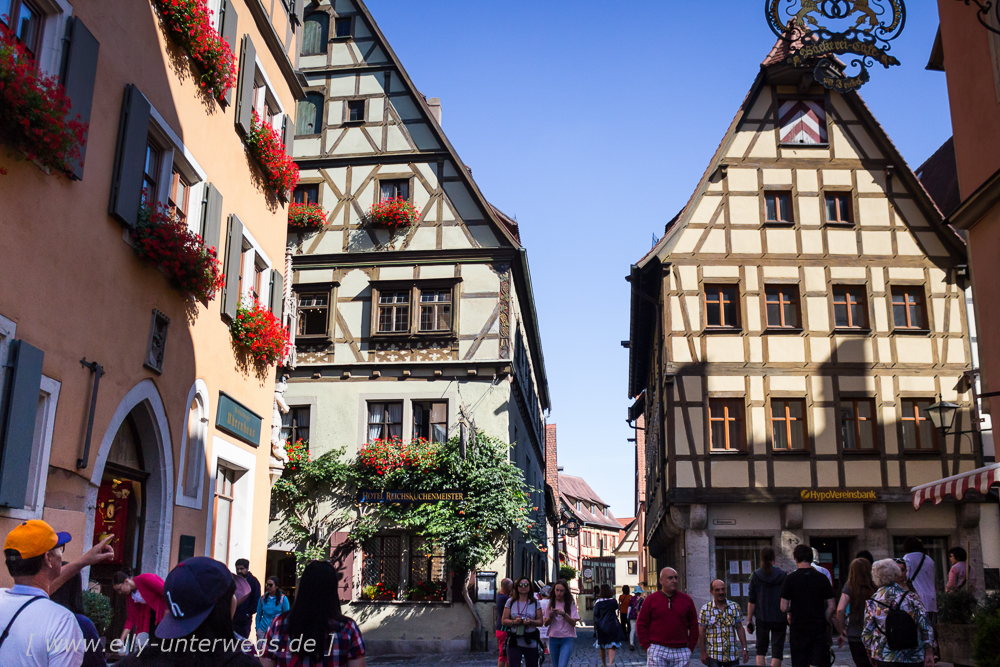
pixel 412 334
pixel 789 331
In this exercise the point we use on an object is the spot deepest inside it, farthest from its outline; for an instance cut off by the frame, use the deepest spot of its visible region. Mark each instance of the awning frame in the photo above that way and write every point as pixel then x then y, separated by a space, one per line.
pixel 980 479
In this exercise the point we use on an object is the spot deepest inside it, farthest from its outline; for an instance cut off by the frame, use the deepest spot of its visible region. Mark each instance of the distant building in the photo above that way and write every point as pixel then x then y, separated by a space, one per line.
pixel 627 554
pixel 592 552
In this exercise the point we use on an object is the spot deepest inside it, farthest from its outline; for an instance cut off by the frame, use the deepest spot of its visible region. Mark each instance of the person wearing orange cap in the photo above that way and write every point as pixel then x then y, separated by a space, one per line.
pixel 37 632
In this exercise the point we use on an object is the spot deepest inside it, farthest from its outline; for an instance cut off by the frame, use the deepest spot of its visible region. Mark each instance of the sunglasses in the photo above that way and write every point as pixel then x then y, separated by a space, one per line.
pixel 523 585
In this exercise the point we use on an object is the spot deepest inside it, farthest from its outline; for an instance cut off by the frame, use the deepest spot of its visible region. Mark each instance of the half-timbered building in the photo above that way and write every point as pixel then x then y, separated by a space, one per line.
pixel 407 334
pixel 789 331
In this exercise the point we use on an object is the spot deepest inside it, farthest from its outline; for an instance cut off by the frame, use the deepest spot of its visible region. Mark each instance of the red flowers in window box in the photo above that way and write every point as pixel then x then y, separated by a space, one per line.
pixel 387 454
pixel 257 331
pixel 33 109
pixel 306 216
pixel 190 25
pixel 167 243
pixel 392 214
pixel 428 591
pixel 268 149
pixel 378 592
pixel 298 453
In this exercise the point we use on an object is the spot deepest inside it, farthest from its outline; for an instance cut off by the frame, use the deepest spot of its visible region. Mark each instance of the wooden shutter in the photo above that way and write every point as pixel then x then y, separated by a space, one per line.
pixel 212 224
pixel 277 293
pixel 342 558
pixel 299 8
pixel 79 73
pixel 234 250
pixel 288 130
pixel 19 429
pixel 130 157
pixel 228 31
pixel 244 88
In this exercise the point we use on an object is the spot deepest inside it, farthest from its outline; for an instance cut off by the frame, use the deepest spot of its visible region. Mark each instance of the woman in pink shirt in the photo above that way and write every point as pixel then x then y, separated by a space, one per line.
pixel 144 604
pixel 561 618
pixel 958 574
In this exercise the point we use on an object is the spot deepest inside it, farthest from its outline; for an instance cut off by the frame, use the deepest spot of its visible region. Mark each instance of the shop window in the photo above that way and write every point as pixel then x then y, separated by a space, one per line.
pixel 427 567
pixel 735 561
pixel 782 306
pixel 385 420
pixel 850 307
pixel 857 423
pixel 430 421
pixel 936 548
pixel 778 207
pixel 725 417
pixel 918 432
pixel 722 306
pixel 788 425
pixel 908 308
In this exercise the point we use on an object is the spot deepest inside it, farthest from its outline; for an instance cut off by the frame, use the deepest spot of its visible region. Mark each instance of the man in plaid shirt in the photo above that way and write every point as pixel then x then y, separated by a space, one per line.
pixel 721 626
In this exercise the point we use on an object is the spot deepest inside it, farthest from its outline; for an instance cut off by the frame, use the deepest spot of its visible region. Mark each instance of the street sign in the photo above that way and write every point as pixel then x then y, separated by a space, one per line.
pixel 588 573
pixel 238 420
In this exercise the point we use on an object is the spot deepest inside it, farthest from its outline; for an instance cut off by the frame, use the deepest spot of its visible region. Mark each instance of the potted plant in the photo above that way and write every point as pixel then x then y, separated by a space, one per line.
pixel 256 331
pixel 97 608
pixel 280 172
pixel 298 453
pixel 567 572
pixel 379 593
pixel 306 217
pixel 428 591
pixel 189 24
pixel 955 630
pixel 392 214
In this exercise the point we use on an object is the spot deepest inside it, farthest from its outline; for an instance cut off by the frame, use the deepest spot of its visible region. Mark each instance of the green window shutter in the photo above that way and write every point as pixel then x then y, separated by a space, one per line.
pixel 244 88
pixel 288 130
pixel 19 426
pixel 79 73
pixel 234 251
pixel 130 157
pixel 228 31
pixel 277 293
pixel 212 224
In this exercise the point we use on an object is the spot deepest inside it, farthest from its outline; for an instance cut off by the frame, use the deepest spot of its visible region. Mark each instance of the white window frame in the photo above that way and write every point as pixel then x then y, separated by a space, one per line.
pixel 241 517
pixel 269 98
pixel 200 390
pixel 175 153
pixel 246 270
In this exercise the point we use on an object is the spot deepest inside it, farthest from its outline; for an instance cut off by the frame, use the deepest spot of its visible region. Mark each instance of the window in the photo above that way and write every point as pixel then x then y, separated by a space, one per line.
pixel 177 199
pixel 918 432
pixel 394 312
pixel 778 207
pixel 151 173
pixel 857 423
pixel 382 556
pixel 850 307
pixel 314 313
pixel 343 26
pixel 782 306
pixel 579 505
pixel 306 194
pixel 295 424
pixel 194 460
pixel 908 307
pixel 309 114
pixel 355 111
pixel 261 104
pixel 838 207
pixel 258 271
pixel 735 561
pixel 314 33
pixel 435 310
pixel 426 563
pixel 802 122
pixel 430 421
pixel 633 567
pixel 721 306
pixel 385 420
pixel 725 419
pixel 398 188
pixel 225 478
pixel 788 430
pixel 25 21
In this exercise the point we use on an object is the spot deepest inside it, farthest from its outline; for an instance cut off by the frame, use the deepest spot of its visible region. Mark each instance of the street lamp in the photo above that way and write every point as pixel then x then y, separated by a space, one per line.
pixel 942 415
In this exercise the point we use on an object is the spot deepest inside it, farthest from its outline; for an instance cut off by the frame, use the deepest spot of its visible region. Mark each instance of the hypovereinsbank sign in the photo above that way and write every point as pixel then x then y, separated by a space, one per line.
pixel 836 495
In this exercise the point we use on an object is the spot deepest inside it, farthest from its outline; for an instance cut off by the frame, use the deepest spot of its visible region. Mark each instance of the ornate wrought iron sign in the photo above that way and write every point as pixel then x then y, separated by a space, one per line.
pixel 983 14
pixel 818 30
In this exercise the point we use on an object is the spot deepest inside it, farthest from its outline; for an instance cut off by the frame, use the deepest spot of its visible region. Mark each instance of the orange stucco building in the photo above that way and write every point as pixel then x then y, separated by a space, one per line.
pixel 139 453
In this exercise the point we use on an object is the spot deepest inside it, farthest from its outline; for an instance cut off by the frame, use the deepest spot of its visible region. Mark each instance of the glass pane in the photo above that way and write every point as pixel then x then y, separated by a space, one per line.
pixel 729 306
pixel 395 413
pixel 773 315
pixel 840 315
pixel 5 9
pixel 795 409
pixel 444 317
pixel 798 436
pixel 785 203
pixel 909 434
pixel 343 27
pixel 387 190
pixel 858 313
pixel 831 208
pixel 402 318
pixel 376 413
pixel 926 436
pixel 791 315
pixel 867 434
pixel 779 435
pixel 771 208
pixel 899 314
pixel 439 433
pixel 223 508
pixel 718 434
pixel 712 315
pixel 916 318
pixel 847 433
pixel 27 25
pixel 735 432
pixel 865 409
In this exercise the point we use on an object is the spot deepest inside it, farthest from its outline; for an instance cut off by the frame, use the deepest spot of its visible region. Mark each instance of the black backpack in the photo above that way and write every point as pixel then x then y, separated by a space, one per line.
pixel 900 628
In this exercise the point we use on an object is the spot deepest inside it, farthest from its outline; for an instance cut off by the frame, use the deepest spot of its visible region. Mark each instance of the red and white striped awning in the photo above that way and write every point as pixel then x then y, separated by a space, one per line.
pixel 980 479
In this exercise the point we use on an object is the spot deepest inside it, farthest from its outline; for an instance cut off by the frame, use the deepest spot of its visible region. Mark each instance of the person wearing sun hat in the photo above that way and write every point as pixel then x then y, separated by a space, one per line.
pixel 37 632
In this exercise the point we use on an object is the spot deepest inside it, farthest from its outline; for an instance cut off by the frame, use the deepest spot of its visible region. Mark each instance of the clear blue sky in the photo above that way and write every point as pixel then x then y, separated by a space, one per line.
pixel 592 123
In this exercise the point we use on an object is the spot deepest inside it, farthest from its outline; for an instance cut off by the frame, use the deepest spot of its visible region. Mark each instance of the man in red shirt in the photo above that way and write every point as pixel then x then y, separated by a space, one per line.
pixel 668 624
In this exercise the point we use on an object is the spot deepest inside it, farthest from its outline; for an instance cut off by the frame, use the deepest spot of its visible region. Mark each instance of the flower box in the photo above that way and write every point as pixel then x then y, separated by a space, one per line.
pixel 298 453
pixel 306 217
pixel 384 455
pixel 189 24
pixel 392 214
pixel 34 110
pixel 428 591
pixel 378 593
pixel 280 172
pixel 166 242
pixel 256 331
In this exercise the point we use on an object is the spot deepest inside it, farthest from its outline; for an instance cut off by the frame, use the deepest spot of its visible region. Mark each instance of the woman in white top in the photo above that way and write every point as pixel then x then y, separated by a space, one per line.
pixel 561 618
pixel 523 616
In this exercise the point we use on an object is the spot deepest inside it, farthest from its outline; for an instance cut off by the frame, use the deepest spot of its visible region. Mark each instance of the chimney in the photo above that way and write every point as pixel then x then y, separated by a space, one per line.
pixel 435 104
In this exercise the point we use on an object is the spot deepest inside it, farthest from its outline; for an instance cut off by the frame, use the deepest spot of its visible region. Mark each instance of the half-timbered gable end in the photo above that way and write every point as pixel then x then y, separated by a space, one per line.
pixel 790 330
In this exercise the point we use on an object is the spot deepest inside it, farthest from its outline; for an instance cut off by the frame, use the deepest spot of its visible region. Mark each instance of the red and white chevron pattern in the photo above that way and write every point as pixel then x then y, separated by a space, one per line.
pixel 802 122
pixel 980 479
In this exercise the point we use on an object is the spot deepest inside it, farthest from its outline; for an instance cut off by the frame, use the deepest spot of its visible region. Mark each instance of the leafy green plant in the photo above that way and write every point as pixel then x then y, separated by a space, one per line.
pixel 97 608
pixel 990 606
pixel 567 572
pixel 957 606
pixel 986 644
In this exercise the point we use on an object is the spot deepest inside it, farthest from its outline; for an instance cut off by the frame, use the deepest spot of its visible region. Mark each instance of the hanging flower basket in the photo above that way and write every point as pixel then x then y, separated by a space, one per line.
pixel 258 332
pixel 34 109
pixel 392 214
pixel 298 453
pixel 166 242
pixel 280 173
pixel 189 24
pixel 306 217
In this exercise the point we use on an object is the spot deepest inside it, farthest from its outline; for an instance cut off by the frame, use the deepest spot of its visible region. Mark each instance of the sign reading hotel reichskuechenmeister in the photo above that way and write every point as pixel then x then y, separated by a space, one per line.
pixel 237 420
pixel 409 496
pixel 819 30
pixel 837 495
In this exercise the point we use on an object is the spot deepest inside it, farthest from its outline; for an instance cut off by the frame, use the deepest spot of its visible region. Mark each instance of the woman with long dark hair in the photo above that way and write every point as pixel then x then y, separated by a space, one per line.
pixel 523 615
pixel 606 625
pixel 561 618
pixel 314 633
pixel 271 603
pixel 859 589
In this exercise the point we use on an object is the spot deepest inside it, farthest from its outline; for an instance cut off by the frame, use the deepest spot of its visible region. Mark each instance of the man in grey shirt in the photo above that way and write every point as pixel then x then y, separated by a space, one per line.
pixel 920 572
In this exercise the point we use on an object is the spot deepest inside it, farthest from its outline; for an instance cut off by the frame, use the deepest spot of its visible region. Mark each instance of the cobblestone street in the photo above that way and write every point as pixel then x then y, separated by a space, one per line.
pixel 584 655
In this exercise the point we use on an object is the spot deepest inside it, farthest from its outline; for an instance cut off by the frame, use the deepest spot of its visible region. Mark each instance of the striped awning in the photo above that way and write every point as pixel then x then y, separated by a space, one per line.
pixel 980 479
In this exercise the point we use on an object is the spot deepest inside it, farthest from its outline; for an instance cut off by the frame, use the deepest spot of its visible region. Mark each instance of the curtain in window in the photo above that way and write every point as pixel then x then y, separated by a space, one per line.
pixel 376 416
pixel 395 420
pixel 314 34
pixel 388 190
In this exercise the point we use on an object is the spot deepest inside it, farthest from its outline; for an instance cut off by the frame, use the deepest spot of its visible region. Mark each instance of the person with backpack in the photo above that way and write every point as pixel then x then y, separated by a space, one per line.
pixel 522 615
pixel 920 573
pixel 764 609
pixel 607 625
pixel 851 609
pixel 897 630
pixel 807 598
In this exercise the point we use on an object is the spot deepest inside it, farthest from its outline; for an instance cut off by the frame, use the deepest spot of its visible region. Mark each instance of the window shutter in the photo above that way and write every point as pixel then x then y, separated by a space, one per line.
pixel 228 31
pixel 79 73
pixel 130 157
pixel 19 429
pixel 300 6
pixel 234 249
pixel 288 130
pixel 212 224
pixel 277 293
pixel 244 88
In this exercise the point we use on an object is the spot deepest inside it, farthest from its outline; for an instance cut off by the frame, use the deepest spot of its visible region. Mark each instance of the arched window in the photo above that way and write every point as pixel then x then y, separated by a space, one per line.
pixel 194 464
pixel 315 33
pixel 309 114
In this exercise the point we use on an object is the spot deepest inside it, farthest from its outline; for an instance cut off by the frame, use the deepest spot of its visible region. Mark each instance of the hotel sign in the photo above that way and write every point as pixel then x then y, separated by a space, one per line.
pixel 837 495
pixel 237 420
pixel 409 496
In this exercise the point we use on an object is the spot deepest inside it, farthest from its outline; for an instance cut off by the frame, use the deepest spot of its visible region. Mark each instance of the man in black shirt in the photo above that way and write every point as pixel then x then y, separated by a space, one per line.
pixel 807 598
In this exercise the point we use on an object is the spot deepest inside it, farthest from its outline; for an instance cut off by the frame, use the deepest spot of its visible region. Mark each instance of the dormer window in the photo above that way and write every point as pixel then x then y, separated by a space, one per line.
pixel 802 122
pixel 343 26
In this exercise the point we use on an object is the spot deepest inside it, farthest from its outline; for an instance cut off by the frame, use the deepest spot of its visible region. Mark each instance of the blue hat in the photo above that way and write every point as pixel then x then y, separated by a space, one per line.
pixel 191 592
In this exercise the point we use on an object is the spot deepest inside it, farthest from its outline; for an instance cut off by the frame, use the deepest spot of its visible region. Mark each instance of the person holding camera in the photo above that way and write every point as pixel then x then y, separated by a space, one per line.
pixel 523 616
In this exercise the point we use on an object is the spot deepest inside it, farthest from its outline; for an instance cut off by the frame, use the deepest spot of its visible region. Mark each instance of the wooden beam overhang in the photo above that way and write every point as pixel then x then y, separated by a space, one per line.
pixel 373 159
pixel 403 257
